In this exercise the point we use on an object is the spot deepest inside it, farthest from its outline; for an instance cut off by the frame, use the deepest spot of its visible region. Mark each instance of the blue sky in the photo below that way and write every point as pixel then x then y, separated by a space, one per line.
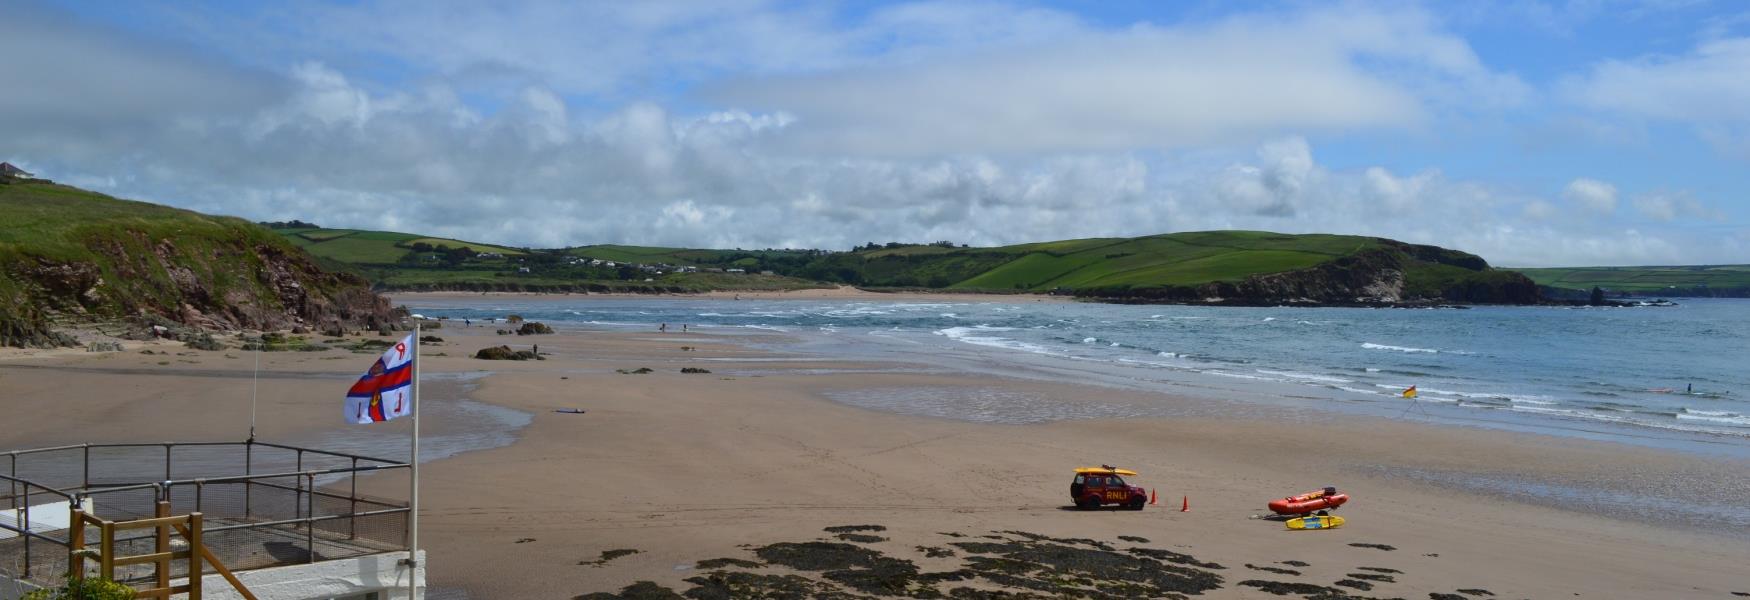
pixel 1532 133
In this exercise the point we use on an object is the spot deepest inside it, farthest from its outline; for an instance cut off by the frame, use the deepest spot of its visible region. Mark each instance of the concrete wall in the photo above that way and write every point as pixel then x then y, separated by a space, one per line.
pixel 380 573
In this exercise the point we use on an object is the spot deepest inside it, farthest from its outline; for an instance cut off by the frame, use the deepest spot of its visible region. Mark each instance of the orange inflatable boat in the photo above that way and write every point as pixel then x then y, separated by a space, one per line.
pixel 1309 502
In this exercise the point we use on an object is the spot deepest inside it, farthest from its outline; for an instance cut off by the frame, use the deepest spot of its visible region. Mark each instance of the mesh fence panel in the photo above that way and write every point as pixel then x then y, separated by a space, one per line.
pixel 270 518
pixel 127 465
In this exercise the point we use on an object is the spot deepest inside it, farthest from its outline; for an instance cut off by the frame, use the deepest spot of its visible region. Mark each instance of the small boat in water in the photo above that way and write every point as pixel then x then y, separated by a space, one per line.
pixel 1310 502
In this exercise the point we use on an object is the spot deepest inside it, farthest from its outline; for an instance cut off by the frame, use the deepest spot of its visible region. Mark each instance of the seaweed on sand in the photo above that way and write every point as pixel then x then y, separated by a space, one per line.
pixel 1068 570
pixel 718 563
pixel 1351 583
pixel 643 590
pixel 1176 558
pixel 860 538
pixel 608 555
pixel 1385 547
pixel 1373 577
pixel 726 585
pixel 935 551
pixel 1270 569
pixel 855 528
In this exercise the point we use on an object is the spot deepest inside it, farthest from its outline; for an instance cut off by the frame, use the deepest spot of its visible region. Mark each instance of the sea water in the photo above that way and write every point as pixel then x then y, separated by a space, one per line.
pixel 1665 376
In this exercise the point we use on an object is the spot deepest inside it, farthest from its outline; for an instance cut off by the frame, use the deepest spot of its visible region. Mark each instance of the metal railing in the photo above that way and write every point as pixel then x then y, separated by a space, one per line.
pixel 264 504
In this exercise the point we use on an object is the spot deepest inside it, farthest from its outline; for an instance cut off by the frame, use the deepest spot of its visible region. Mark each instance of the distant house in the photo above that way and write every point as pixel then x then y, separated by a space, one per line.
pixel 10 170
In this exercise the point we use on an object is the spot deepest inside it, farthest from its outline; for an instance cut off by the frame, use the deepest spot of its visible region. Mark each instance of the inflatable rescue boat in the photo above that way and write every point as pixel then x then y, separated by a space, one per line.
pixel 1309 502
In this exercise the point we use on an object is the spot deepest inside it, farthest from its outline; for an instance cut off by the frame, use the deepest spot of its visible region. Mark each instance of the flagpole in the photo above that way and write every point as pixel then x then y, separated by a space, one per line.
pixel 253 385
pixel 413 503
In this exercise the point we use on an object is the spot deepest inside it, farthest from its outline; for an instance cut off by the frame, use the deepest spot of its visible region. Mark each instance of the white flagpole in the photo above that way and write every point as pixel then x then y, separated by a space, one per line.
pixel 413 504
pixel 253 385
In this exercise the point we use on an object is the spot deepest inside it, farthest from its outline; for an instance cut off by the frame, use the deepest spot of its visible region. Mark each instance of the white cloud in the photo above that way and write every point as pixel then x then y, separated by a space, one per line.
pixel 1705 88
pixel 1539 210
pixel 1591 194
pixel 991 136
pixel 1669 206
pixel 1149 86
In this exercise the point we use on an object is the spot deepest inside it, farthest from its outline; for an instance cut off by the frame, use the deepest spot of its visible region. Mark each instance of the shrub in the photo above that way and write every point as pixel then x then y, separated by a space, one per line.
pixel 202 341
pixel 90 588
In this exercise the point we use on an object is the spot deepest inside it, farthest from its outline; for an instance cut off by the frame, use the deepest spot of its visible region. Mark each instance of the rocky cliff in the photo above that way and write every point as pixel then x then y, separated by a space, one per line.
pixel 68 256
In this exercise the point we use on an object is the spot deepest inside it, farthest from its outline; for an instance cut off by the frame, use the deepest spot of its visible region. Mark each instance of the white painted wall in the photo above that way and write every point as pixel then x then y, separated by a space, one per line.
pixel 382 573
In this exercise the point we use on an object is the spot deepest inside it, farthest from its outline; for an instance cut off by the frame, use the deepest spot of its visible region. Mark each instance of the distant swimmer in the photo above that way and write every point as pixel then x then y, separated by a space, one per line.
pixel 1690 389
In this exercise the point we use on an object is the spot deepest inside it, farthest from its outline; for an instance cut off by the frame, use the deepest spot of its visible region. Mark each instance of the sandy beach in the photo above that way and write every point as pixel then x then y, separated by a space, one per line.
pixel 685 468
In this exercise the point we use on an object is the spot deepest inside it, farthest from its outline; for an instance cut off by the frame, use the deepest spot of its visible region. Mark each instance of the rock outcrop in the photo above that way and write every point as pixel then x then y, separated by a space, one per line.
pixel 106 259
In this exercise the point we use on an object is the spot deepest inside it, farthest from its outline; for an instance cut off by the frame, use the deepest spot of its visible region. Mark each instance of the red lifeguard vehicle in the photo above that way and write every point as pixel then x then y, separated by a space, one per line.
pixel 1095 487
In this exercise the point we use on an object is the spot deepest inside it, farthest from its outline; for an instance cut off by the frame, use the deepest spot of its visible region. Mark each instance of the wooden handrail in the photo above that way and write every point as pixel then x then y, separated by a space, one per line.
pixel 154 557
pixel 220 567
pixel 152 522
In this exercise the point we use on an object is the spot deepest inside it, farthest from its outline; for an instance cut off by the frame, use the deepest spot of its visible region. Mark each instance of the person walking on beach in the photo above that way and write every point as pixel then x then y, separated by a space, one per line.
pixel 663 328
pixel 537 349
pixel 683 327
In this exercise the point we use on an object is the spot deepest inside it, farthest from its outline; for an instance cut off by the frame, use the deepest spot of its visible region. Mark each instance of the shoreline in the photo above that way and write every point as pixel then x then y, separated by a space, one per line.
pixel 840 293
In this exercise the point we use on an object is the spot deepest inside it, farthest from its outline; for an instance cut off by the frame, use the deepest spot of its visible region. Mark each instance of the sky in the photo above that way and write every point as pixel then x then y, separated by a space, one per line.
pixel 1537 133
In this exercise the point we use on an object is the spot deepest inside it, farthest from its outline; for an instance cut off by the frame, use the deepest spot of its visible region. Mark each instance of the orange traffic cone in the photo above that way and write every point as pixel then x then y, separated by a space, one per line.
pixel 1151 497
pixel 1186 506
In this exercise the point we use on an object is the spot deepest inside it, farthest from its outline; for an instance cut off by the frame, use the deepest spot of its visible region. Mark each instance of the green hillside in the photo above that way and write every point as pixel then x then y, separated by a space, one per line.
pixel 1243 266
pixel 1703 280
pixel 67 253
pixel 1172 259
pixel 360 247
pixel 1192 266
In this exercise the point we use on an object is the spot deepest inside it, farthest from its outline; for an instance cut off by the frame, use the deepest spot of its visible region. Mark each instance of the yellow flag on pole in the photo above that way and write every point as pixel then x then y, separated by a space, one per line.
pixel 1410 393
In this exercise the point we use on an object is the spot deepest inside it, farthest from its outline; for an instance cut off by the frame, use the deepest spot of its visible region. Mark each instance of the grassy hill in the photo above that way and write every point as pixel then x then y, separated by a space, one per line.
pixel 360 247
pixel 67 253
pixel 1703 280
pixel 1243 266
pixel 405 261
pixel 1236 266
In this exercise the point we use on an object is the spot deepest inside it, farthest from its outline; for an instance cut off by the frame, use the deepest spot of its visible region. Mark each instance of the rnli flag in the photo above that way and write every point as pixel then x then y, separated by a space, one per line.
pixel 1410 393
pixel 386 390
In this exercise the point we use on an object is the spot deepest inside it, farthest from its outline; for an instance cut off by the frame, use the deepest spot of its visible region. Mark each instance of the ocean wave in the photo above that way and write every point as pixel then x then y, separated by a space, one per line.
pixel 1305 376
pixel 1709 413
pixel 1734 420
pixel 1373 346
pixel 971 335
pixel 1237 375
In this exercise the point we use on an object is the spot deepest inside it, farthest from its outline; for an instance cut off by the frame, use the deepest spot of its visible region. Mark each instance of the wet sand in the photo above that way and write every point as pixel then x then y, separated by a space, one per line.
pixel 690 467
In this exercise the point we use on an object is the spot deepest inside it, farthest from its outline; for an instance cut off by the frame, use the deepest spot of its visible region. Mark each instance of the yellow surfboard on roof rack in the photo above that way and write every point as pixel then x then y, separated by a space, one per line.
pixel 1102 470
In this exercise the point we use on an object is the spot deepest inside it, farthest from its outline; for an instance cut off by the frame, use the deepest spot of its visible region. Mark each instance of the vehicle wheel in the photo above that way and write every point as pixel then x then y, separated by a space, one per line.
pixel 1136 504
pixel 1088 503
